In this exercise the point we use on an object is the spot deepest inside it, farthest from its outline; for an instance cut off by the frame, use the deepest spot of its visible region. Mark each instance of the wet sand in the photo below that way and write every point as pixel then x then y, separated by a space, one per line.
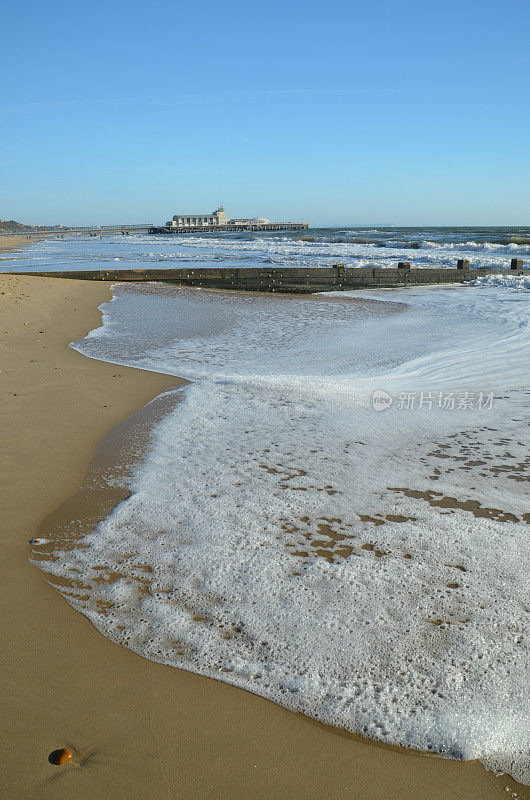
pixel 137 729
pixel 16 240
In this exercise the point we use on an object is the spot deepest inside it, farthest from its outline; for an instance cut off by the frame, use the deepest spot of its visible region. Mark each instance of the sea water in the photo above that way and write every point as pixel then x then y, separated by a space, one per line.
pixel 315 247
pixel 367 568
pixel 335 515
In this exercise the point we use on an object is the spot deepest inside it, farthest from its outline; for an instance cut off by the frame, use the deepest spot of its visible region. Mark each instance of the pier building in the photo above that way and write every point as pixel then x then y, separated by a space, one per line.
pixel 219 221
pixel 216 218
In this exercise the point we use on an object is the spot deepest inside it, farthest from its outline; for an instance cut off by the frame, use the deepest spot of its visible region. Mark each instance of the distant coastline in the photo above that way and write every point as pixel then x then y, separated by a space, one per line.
pixel 16 240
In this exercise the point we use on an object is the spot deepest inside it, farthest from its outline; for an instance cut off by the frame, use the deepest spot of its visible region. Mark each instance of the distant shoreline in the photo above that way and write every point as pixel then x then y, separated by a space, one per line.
pixel 12 241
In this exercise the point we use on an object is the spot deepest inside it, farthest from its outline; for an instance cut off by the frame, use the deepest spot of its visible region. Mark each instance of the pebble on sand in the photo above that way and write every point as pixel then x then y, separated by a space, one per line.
pixel 60 756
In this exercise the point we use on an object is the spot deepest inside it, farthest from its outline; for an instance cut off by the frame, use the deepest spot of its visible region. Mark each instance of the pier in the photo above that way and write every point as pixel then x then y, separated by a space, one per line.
pixel 250 226
pixel 294 280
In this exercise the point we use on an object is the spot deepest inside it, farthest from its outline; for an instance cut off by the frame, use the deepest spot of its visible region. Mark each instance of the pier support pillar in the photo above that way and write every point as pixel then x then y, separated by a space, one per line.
pixel 517 264
pixel 462 263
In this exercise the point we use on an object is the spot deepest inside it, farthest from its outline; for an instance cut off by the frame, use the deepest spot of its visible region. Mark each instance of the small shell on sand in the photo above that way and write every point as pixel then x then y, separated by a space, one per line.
pixel 60 756
pixel 39 541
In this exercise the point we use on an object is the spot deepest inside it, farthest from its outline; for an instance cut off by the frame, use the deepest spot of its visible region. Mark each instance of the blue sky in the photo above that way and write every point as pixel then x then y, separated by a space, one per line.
pixel 337 113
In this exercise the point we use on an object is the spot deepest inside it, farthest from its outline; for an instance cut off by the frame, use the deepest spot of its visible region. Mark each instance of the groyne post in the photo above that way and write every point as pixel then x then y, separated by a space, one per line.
pixel 462 263
pixel 404 265
pixel 517 264
pixel 340 272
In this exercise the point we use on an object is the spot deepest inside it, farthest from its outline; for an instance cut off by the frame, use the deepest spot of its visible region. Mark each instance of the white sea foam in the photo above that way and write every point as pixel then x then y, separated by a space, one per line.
pixel 496 247
pixel 367 569
pixel 507 281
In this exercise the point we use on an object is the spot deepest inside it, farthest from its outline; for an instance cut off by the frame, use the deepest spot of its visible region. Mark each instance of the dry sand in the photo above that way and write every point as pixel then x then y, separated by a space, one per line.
pixel 137 729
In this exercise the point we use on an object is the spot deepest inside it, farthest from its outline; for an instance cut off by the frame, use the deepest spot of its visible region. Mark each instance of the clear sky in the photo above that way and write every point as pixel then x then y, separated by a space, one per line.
pixel 337 113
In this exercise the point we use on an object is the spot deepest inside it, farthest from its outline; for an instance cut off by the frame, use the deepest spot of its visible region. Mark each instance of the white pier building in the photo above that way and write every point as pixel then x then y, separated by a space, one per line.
pixel 213 220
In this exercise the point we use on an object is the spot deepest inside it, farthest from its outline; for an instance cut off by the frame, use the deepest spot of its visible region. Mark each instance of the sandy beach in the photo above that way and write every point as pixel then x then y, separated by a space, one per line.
pixel 14 241
pixel 137 729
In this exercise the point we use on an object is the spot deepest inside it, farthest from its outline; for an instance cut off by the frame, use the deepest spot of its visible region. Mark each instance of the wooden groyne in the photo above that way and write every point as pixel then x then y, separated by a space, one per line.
pixel 290 279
